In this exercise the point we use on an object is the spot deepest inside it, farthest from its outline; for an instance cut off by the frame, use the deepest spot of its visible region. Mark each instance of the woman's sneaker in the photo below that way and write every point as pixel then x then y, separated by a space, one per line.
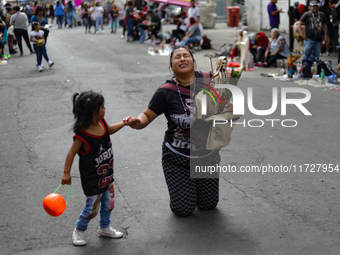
pixel 50 63
pixel 40 68
pixel 78 237
pixel 109 232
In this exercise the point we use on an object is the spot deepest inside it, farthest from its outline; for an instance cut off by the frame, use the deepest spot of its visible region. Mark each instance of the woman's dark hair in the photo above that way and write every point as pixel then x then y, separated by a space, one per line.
pixel 181 47
pixel 16 8
pixel 39 9
pixel 58 2
pixel 85 106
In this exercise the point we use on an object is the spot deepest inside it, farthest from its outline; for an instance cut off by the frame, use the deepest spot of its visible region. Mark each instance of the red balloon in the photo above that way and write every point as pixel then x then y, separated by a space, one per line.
pixel 54 204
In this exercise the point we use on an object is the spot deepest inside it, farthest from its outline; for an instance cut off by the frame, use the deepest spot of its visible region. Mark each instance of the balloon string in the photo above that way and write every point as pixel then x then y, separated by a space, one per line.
pixel 57 188
pixel 68 193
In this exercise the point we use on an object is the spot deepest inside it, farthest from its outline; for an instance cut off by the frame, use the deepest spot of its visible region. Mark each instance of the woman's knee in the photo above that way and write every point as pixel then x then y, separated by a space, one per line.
pixel 181 211
pixel 208 206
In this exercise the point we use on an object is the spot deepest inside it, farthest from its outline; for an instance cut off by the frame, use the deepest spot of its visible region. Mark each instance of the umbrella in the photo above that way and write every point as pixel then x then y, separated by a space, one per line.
pixel 181 3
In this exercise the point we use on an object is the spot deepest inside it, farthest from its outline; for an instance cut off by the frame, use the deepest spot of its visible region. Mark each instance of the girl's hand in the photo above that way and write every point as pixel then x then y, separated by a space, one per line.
pixel 66 179
pixel 133 122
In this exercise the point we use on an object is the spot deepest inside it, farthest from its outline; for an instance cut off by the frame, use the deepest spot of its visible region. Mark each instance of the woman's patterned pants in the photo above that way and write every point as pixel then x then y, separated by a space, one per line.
pixel 186 193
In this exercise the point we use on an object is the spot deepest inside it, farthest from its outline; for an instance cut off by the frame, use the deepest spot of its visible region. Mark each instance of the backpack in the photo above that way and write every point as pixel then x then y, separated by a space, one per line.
pixel 28 10
pixel 306 72
pixel 225 50
pixel 206 42
pixel 322 65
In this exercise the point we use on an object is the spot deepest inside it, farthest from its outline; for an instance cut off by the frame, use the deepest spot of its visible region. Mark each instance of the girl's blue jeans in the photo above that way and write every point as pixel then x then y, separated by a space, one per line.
pixel 40 52
pixel 102 203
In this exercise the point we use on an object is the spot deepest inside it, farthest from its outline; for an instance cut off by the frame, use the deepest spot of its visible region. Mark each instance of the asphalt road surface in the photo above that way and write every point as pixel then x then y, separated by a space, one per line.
pixel 290 209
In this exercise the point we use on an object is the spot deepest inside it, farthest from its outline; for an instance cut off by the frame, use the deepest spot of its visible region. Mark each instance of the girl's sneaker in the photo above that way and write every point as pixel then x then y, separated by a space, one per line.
pixel 78 237
pixel 109 232
pixel 50 63
pixel 40 68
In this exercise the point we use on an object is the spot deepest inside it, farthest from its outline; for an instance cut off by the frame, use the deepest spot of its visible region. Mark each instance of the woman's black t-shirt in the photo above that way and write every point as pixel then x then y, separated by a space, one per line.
pixel 180 121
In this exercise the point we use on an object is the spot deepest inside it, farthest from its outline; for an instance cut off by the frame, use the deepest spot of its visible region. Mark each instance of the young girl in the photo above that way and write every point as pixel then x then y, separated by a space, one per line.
pixel 93 145
pixel 38 39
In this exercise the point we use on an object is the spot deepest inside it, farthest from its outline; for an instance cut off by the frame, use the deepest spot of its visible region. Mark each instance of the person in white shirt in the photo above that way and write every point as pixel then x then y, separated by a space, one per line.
pixel 194 11
pixel 99 11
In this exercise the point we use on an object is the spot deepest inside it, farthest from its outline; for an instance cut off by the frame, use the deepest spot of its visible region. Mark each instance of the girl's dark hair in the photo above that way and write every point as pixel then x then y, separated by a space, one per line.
pixel 181 47
pixel 85 106
pixel 34 25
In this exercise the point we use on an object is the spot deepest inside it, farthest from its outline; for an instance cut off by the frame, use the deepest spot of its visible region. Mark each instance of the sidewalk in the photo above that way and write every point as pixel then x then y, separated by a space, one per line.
pixel 222 34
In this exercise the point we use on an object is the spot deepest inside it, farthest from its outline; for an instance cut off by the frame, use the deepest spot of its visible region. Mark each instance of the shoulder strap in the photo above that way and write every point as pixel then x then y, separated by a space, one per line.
pixel 206 77
pixel 186 91
pixel 173 87
pixel 16 18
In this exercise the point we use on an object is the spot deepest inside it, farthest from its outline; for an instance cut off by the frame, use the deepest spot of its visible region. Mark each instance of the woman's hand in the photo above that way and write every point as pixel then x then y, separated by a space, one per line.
pixel 133 122
pixel 266 55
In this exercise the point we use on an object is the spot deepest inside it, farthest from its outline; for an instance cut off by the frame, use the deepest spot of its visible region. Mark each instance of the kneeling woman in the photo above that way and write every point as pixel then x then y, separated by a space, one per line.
pixel 277 48
pixel 173 100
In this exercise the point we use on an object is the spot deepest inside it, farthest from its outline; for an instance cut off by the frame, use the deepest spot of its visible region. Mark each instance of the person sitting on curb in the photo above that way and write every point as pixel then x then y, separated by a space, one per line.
pixel 193 35
pixel 277 48
pixel 258 47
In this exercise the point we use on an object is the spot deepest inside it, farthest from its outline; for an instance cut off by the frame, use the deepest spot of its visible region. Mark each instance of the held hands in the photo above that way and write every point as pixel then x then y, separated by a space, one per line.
pixel 133 122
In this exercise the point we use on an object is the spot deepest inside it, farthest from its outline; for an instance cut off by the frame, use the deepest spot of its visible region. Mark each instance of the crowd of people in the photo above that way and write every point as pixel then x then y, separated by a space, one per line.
pixel 14 28
pixel 140 22
pixel 314 27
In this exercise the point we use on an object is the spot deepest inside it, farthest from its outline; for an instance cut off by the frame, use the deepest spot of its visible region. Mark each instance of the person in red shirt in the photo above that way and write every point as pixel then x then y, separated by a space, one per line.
pixel 258 47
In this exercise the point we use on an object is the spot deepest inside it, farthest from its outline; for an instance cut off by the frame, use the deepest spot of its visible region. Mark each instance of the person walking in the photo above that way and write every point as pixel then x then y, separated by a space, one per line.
pixel 315 31
pixel 99 11
pixel 194 11
pixel 51 12
pixel 10 38
pixel 274 14
pixel 59 14
pixel 114 13
pixel 29 11
pixel 69 13
pixel 87 21
pixel 19 21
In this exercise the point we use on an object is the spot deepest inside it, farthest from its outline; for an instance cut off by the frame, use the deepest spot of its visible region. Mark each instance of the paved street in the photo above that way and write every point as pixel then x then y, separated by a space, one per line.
pixel 294 212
